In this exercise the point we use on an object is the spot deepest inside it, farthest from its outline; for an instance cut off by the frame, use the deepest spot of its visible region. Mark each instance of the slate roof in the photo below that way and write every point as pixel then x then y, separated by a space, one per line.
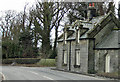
pixel 111 41
pixel 86 25
pixel 90 26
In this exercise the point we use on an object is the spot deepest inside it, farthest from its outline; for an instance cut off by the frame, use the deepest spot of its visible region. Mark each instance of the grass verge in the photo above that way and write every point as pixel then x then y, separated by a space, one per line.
pixel 114 75
pixel 47 63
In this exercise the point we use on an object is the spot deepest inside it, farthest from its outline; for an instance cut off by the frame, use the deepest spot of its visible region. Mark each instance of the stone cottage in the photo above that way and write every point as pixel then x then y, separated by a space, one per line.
pixel 89 46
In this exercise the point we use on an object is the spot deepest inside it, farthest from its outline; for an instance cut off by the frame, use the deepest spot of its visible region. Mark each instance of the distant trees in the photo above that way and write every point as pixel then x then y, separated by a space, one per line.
pixel 16 35
pixel 22 32
pixel 10 31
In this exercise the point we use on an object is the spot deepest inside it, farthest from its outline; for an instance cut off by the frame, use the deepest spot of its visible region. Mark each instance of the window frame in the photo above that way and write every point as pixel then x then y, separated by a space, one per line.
pixel 77 61
pixel 65 62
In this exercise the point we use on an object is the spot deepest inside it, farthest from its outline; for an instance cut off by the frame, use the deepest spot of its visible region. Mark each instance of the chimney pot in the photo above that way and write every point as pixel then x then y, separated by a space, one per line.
pixel 93 4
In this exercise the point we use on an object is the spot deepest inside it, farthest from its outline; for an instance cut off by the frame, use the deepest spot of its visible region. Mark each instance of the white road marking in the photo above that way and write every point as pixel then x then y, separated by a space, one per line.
pixel 43 76
pixel 48 78
pixel 34 73
pixel 85 76
pixel 3 76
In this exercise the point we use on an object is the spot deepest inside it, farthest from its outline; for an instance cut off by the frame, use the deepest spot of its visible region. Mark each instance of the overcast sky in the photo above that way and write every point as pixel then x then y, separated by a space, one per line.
pixel 18 5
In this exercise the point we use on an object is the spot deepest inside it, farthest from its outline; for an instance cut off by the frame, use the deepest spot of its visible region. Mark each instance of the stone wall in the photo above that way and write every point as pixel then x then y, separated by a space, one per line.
pixel 100 60
pixel 59 55
pixel 91 56
pixel 71 45
pixel 83 47
pixel 61 48
pixel 119 52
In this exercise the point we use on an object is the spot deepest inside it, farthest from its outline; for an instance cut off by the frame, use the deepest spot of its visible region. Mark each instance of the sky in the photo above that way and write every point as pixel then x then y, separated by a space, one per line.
pixel 18 5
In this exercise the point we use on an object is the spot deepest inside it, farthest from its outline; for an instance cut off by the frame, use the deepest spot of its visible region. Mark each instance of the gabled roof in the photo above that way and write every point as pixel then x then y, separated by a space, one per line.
pixel 89 27
pixel 111 41
pixel 100 25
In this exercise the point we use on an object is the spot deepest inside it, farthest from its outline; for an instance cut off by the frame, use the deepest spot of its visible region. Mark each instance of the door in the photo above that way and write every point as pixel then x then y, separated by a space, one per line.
pixel 107 64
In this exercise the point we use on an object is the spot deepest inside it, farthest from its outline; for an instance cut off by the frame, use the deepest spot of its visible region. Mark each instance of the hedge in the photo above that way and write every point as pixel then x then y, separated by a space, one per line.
pixel 21 60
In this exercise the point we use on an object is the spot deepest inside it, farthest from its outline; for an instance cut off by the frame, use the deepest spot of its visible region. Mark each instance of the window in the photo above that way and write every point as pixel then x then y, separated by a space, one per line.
pixel 64 57
pixel 77 58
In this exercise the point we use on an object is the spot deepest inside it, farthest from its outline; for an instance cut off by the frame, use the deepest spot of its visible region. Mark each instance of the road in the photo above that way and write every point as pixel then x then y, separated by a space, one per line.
pixel 41 73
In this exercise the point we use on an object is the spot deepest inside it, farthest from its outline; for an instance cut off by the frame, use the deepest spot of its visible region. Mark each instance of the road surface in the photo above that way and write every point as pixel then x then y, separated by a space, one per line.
pixel 41 73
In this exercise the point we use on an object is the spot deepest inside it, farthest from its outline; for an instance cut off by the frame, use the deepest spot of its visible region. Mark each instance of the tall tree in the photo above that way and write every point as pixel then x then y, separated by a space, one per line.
pixel 48 16
pixel 43 21
pixel 78 11
pixel 111 7
pixel 61 9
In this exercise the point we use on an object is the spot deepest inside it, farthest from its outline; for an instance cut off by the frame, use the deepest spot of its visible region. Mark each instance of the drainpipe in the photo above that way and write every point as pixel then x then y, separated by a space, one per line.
pixel 70 57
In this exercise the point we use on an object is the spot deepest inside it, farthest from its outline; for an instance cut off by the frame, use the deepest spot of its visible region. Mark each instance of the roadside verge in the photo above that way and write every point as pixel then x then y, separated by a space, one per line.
pixel 92 75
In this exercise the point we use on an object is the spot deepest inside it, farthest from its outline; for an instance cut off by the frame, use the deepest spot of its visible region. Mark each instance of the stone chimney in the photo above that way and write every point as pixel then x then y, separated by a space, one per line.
pixel 91 11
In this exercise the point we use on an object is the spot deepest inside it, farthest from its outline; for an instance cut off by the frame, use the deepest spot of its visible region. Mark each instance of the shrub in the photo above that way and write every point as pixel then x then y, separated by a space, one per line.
pixel 7 61
pixel 21 60
pixel 91 71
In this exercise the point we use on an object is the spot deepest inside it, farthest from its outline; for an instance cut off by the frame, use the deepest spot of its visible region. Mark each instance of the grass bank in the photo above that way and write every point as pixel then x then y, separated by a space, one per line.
pixel 47 63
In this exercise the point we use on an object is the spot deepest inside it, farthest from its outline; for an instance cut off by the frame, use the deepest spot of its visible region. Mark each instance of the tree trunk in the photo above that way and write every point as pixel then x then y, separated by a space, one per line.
pixel 46 43
pixel 55 43
pixel 36 41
